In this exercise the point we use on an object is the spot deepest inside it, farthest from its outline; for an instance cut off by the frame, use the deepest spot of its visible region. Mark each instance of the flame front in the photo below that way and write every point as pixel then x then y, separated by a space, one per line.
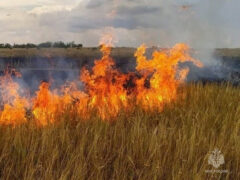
pixel 104 86
pixel 107 91
pixel 164 78
pixel 13 105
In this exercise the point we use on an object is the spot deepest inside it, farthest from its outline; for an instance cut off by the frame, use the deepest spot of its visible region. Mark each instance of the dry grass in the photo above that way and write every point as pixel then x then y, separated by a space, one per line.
pixel 89 52
pixel 173 144
pixel 62 52
pixel 234 53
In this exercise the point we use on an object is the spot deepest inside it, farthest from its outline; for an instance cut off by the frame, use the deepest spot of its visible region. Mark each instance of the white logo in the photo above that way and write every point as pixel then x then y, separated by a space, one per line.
pixel 216 158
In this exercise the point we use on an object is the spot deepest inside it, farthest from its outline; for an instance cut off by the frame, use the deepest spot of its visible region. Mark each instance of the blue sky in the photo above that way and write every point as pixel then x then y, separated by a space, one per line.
pixel 205 23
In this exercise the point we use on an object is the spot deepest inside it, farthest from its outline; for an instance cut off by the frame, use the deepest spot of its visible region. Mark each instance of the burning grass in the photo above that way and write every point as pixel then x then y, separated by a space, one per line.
pixel 141 125
pixel 172 144
pixel 107 91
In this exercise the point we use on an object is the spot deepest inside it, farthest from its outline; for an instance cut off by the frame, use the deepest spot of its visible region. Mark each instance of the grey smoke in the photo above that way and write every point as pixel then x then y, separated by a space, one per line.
pixel 202 24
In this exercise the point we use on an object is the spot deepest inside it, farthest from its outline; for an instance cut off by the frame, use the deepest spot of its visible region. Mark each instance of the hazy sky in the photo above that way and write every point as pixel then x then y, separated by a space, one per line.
pixel 200 23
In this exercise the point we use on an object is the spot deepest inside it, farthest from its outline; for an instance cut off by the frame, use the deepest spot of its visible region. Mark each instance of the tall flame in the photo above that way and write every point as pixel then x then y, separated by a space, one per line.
pixel 105 86
pixel 162 70
pixel 107 91
pixel 13 106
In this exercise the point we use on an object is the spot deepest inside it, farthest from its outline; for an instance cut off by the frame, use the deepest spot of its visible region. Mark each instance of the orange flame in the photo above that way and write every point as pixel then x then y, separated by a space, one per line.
pixel 13 111
pixel 163 71
pixel 45 105
pixel 105 86
pixel 107 91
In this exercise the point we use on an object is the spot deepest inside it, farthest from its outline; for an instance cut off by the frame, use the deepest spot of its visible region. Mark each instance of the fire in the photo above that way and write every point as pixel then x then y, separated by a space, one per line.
pixel 162 70
pixel 13 105
pixel 105 86
pixel 45 105
pixel 107 91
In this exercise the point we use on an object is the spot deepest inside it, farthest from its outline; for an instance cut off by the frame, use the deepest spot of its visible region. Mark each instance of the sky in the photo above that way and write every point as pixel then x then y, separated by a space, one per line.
pixel 199 23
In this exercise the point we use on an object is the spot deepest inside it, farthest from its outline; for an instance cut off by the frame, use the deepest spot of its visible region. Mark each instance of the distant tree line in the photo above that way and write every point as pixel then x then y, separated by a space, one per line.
pixel 58 44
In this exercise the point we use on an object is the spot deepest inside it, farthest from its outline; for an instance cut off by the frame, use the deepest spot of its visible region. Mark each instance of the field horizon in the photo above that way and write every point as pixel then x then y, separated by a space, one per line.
pixel 95 51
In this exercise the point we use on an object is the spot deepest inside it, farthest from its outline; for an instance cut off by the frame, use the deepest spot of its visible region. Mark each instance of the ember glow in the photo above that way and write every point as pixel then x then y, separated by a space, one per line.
pixel 107 91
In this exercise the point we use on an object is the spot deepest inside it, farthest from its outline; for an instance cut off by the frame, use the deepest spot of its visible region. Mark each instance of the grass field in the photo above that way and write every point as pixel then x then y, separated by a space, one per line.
pixel 173 144
pixel 89 51
pixel 62 52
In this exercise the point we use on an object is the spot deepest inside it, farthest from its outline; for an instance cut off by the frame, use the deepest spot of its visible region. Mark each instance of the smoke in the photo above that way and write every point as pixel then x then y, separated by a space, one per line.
pixel 57 71
pixel 199 23
pixel 202 24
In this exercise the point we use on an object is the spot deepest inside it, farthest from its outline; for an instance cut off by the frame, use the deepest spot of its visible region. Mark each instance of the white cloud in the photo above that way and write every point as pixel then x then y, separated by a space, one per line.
pixel 50 9
pixel 204 23
pixel 29 5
